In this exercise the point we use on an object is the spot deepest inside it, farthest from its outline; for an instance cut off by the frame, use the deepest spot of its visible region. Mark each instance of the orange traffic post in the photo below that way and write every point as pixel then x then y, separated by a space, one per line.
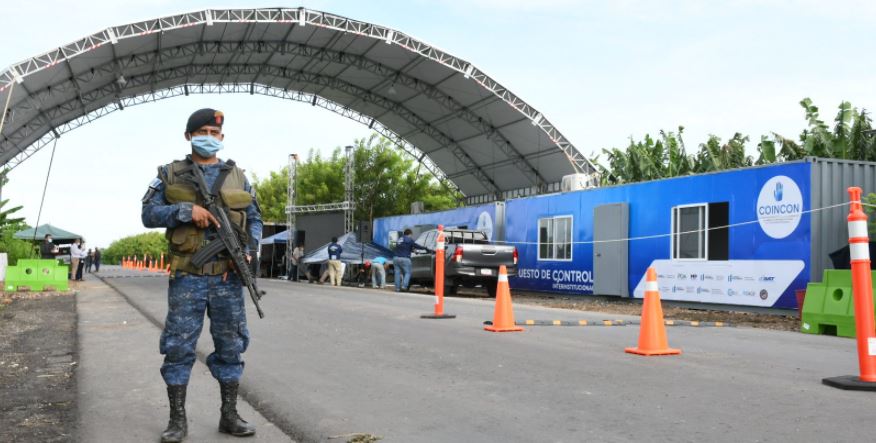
pixel 161 265
pixel 862 294
pixel 652 333
pixel 503 316
pixel 439 278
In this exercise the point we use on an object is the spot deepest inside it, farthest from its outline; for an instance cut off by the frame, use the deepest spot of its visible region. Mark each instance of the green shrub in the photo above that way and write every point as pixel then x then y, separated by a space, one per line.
pixel 16 249
pixel 148 243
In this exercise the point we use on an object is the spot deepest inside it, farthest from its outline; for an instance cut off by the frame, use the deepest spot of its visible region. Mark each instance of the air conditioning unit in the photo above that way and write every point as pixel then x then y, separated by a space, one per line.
pixel 577 182
pixel 418 207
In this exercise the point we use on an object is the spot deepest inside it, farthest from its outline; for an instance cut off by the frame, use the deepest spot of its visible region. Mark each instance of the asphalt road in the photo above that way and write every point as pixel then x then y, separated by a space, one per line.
pixel 121 394
pixel 329 362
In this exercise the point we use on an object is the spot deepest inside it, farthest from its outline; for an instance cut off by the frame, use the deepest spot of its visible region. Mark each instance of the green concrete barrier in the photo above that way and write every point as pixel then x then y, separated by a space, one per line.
pixel 828 308
pixel 37 275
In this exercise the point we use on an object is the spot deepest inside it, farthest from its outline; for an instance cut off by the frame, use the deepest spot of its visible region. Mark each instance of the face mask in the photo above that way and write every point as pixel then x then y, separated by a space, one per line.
pixel 49 240
pixel 206 146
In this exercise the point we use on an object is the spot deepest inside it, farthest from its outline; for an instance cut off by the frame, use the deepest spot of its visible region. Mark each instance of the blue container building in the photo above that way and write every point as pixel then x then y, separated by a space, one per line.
pixel 741 237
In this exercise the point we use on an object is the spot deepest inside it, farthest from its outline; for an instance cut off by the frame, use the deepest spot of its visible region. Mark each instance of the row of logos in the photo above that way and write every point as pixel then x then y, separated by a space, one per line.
pixel 714 277
pixel 699 290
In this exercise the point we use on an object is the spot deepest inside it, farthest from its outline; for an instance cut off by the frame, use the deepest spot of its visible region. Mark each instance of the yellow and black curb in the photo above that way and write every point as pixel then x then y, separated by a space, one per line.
pixel 695 324
pixel 568 323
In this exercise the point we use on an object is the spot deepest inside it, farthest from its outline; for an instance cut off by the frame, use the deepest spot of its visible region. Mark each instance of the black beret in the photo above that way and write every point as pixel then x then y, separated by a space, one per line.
pixel 203 117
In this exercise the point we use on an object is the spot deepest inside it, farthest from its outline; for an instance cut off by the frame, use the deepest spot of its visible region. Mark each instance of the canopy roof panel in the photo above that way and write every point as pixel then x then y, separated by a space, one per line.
pixel 40 232
pixel 453 118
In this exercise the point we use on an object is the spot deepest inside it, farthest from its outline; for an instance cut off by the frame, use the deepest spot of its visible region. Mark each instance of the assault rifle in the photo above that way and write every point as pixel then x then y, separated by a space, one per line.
pixel 228 239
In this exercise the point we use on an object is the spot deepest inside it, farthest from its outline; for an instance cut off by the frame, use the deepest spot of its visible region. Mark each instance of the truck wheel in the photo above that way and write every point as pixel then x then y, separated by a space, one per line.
pixel 450 287
pixel 491 287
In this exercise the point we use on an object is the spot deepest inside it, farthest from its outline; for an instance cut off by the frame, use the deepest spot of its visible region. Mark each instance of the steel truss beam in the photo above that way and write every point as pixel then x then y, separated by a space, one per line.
pixel 322 207
pixel 180 73
pixel 290 216
pixel 72 83
pixel 349 198
pixel 301 17
pixel 186 89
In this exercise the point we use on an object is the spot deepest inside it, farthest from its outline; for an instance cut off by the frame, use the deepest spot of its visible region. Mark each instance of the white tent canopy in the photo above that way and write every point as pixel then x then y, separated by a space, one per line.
pixel 457 121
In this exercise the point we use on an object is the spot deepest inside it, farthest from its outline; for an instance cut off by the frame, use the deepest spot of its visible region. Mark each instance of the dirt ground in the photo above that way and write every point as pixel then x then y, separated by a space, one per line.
pixel 776 321
pixel 38 359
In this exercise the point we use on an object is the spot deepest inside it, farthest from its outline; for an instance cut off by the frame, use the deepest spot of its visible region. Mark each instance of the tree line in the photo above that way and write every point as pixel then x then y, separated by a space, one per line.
pixel 386 182
pixel 666 155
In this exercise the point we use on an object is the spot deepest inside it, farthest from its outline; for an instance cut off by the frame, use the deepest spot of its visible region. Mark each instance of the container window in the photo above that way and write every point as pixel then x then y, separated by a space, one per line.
pixel 555 238
pixel 689 232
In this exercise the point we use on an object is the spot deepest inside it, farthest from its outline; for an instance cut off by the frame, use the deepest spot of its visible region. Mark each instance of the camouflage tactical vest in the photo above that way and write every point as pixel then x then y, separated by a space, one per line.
pixel 187 239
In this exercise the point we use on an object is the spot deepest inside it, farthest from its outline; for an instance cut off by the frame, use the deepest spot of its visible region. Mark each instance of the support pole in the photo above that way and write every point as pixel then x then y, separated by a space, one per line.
pixel 439 278
pixel 348 190
pixel 862 294
pixel 290 215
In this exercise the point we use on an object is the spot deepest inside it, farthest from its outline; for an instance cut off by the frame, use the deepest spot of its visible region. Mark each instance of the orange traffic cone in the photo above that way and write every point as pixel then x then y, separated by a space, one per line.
pixel 652 334
pixel 503 317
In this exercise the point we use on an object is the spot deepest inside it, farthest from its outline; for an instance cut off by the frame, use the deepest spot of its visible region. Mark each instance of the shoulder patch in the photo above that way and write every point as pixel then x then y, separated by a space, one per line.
pixel 154 187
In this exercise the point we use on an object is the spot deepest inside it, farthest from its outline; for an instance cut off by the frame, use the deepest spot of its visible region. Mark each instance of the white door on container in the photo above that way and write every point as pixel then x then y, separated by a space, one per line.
pixel 611 249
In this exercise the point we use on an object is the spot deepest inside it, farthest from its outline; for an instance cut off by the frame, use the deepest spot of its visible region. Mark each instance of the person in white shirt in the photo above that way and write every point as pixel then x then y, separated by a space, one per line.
pixel 297 253
pixel 77 254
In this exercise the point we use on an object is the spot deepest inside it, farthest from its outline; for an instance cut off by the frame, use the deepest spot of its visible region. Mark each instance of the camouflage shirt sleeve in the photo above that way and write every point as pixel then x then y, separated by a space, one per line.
pixel 253 220
pixel 157 212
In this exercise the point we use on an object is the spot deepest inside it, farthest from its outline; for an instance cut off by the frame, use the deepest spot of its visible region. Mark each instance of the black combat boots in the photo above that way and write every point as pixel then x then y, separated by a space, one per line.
pixel 177 428
pixel 230 422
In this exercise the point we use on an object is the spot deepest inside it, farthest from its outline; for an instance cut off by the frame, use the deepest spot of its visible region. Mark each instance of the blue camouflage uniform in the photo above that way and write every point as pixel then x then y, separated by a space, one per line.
pixel 188 296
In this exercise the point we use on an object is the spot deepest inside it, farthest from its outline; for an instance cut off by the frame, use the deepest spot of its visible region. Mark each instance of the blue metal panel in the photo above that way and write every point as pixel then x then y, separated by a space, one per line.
pixel 651 204
pixel 481 218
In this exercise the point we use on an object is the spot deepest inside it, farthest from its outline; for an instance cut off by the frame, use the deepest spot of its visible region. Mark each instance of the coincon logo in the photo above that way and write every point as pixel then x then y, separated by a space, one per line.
pixel 779 206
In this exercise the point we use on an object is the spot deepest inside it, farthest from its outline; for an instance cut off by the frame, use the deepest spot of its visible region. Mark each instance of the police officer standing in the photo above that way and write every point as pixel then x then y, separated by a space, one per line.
pixel 173 202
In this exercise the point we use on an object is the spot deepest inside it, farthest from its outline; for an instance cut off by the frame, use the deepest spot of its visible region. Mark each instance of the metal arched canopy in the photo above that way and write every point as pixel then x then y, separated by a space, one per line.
pixel 458 122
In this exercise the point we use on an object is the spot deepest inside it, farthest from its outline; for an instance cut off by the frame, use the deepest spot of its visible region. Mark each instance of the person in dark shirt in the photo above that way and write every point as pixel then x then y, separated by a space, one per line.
pixel 402 260
pixel 96 259
pixel 334 262
pixel 48 250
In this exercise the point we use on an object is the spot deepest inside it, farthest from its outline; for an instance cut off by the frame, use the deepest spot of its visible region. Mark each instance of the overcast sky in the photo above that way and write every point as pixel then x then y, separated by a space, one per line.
pixel 600 71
